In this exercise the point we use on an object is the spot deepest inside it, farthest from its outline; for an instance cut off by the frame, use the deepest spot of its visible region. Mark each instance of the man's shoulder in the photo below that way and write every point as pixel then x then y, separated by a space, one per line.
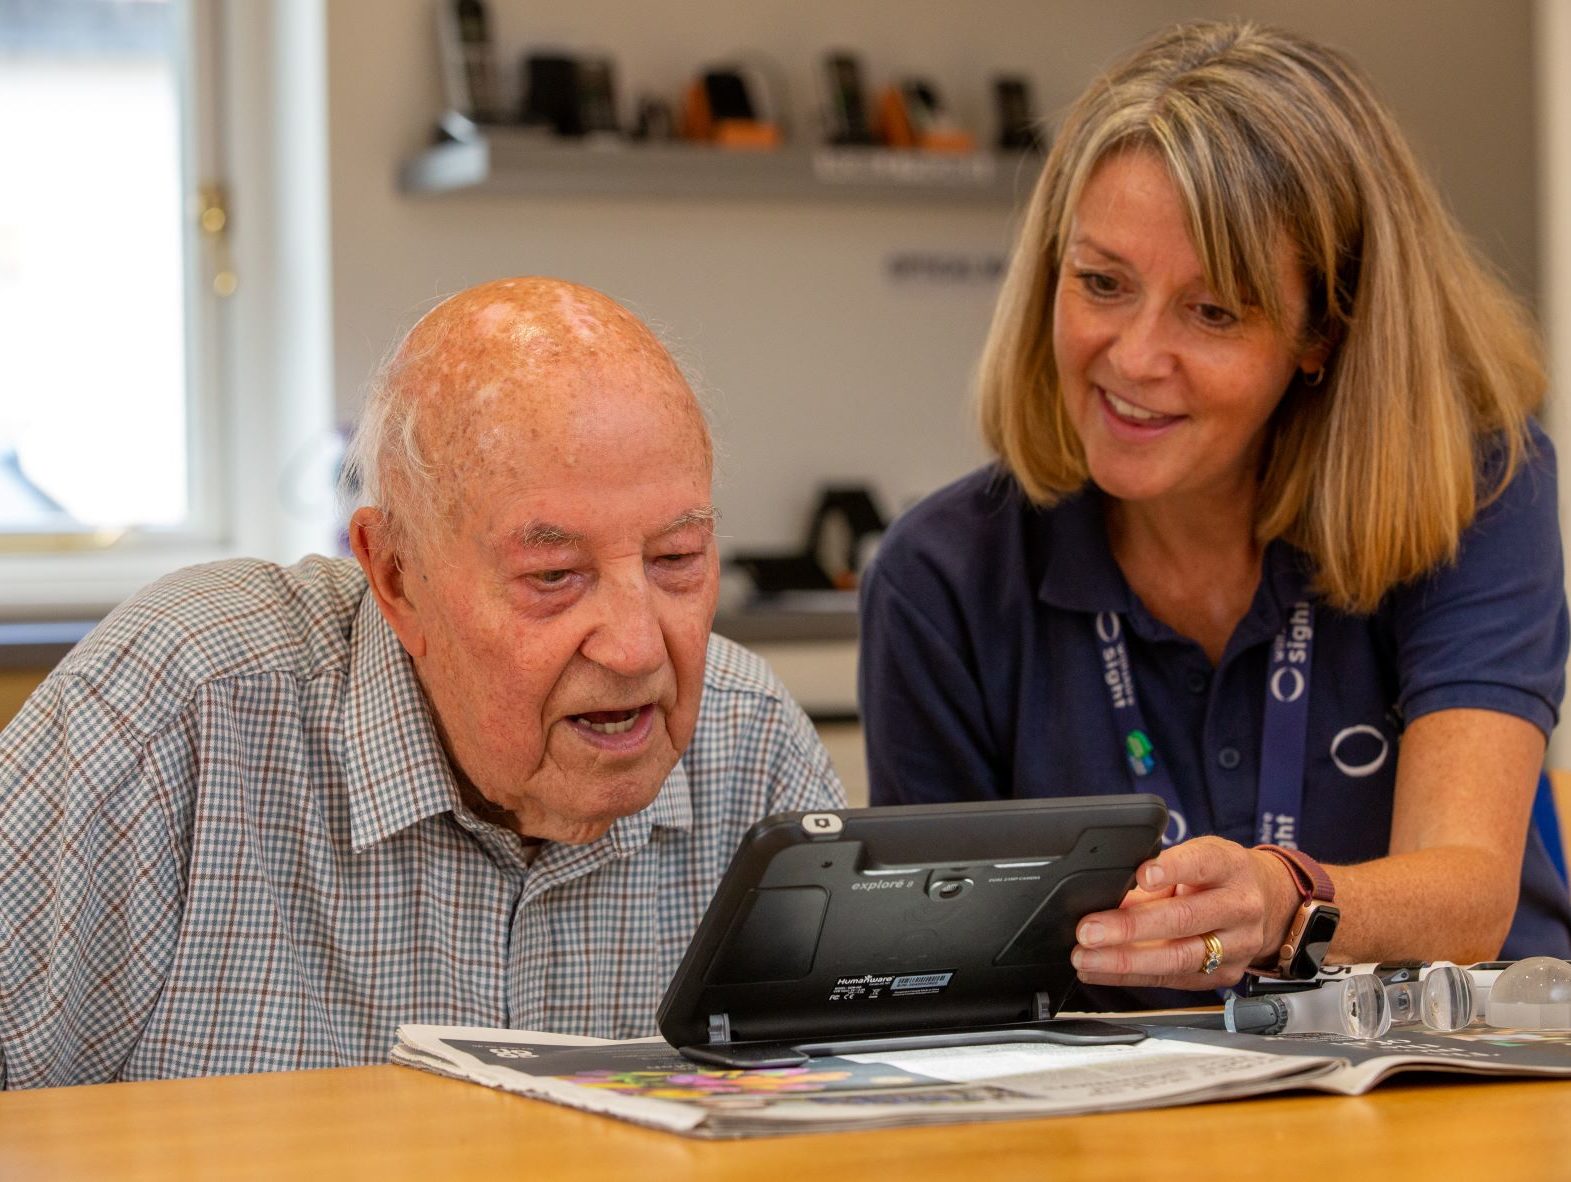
pixel 733 671
pixel 233 618
pixel 754 749
pixel 743 697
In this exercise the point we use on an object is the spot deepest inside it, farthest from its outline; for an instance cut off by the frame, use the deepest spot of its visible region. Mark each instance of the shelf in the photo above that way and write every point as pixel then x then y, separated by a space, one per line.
pixel 521 163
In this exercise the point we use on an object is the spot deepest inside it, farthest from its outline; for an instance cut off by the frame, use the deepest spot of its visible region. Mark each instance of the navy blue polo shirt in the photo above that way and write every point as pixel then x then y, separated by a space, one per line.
pixel 981 673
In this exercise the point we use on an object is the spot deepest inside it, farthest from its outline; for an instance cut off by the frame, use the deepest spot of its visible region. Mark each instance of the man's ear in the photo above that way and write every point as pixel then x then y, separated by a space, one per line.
pixel 384 571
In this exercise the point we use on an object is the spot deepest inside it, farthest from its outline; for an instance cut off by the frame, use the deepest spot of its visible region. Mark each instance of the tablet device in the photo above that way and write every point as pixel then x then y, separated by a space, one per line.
pixel 917 925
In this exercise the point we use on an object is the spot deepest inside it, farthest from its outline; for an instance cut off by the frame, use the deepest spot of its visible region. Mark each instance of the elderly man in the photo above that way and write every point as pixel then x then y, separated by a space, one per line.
pixel 487 774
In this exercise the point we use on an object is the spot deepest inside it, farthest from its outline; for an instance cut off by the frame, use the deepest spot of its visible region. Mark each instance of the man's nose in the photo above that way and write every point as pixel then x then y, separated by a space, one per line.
pixel 627 639
pixel 1142 349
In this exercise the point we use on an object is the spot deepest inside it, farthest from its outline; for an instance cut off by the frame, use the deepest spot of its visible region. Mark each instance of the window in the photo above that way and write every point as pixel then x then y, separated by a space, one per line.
pixel 152 412
pixel 96 399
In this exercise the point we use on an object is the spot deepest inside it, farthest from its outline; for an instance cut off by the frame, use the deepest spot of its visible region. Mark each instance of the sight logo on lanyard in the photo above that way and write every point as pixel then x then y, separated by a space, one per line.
pixel 1280 794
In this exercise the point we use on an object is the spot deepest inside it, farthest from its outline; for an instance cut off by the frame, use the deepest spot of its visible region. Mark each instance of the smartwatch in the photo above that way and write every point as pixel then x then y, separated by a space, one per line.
pixel 1308 937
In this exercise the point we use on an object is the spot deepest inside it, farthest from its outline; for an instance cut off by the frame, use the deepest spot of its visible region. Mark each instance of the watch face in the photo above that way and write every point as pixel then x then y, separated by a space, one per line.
pixel 1319 925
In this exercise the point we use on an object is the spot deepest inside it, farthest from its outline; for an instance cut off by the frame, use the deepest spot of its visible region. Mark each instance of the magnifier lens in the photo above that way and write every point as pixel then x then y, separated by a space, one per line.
pixel 1404 998
pixel 1365 1013
pixel 1533 994
pixel 1446 1002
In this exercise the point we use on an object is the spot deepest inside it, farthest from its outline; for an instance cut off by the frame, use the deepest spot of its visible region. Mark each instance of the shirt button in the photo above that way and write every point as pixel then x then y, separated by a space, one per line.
pixel 1198 681
pixel 1229 758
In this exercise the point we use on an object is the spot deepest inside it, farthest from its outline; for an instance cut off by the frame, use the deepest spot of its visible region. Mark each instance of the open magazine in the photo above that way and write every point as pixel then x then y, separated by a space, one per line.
pixel 647 1082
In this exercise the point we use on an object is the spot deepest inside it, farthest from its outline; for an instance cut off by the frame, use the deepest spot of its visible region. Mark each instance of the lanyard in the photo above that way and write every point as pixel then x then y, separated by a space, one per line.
pixel 1281 790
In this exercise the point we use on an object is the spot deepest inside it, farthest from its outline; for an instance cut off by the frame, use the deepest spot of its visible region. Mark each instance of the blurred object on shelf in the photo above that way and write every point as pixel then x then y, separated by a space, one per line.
pixel 846 119
pixel 775 574
pixel 728 106
pixel 454 127
pixel 597 96
pixel 844 532
pixel 913 115
pixel 573 96
pixel 549 82
pixel 846 528
pixel 463 35
pixel 654 121
pixel 1018 129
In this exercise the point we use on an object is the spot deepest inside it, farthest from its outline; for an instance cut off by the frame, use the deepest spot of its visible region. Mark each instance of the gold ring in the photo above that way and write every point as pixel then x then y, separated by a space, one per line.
pixel 1213 960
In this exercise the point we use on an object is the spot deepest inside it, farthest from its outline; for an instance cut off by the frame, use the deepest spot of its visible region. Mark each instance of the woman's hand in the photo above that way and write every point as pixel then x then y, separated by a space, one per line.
pixel 1157 935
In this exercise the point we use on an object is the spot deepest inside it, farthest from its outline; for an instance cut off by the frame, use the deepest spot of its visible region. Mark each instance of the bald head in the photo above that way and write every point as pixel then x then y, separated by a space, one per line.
pixel 496 372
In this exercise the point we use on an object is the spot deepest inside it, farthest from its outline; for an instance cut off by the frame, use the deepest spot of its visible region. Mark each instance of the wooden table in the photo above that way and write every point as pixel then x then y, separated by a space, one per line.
pixel 393 1122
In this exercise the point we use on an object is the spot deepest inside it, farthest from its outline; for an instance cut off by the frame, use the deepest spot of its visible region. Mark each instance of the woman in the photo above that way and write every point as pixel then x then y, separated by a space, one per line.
pixel 1270 532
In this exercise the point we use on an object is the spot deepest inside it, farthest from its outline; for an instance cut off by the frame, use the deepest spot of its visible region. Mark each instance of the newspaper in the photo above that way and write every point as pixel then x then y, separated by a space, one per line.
pixel 647 1082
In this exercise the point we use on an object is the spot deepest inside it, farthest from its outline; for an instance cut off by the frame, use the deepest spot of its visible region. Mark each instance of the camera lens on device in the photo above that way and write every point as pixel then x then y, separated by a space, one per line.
pixel 945 889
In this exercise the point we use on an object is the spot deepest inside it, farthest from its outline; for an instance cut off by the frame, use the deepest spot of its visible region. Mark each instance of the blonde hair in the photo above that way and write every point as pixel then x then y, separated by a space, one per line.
pixel 1434 365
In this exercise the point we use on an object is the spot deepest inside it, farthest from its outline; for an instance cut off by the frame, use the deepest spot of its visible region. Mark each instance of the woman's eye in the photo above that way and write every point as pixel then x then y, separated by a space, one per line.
pixel 1097 283
pixel 1216 316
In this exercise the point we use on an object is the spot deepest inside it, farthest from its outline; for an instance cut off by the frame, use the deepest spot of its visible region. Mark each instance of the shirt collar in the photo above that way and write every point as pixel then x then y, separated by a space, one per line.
pixel 671 809
pixel 1078 570
pixel 560 862
pixel 396 769
pixel 1080 574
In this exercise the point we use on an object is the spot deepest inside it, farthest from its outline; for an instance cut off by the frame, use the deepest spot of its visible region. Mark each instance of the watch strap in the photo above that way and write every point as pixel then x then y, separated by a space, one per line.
pixel 1309 876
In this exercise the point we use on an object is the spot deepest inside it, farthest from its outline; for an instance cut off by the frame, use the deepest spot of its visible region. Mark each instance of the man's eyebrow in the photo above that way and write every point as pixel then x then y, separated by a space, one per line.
pixel 700 515
pixel 542 534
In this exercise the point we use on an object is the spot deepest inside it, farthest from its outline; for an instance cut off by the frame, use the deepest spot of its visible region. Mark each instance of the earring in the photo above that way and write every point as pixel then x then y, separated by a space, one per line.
pixel 1315 378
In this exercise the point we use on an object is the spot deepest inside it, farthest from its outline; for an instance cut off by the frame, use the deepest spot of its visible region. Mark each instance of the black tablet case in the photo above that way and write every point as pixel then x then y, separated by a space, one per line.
pixel 913 925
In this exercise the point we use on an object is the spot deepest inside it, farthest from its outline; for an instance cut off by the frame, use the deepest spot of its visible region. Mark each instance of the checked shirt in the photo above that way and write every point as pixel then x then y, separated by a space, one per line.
pixel 230 841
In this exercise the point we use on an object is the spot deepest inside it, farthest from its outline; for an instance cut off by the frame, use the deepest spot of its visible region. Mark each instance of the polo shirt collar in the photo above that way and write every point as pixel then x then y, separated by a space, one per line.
pixel 1080 573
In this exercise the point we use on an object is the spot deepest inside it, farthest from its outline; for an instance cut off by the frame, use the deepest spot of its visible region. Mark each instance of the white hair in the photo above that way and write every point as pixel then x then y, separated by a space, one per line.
pixel 383 465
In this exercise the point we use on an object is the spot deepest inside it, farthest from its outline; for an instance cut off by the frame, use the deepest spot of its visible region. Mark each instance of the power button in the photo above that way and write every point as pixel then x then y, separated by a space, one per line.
pixel 822 824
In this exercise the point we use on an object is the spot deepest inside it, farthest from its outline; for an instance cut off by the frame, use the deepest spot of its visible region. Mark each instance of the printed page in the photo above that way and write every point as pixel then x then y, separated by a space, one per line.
pixel 1365 1062
pixel 648 1082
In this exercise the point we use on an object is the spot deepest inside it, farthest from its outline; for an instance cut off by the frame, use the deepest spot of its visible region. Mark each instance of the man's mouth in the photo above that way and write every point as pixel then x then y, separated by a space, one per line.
pixel 609 722
pixel 625 731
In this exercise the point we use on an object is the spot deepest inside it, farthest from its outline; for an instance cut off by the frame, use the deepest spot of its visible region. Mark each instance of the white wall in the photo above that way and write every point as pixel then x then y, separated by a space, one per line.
pixel 815 366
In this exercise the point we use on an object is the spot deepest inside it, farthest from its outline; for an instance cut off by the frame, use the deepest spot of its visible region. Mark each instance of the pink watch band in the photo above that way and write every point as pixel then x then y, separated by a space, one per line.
pixel 1308 875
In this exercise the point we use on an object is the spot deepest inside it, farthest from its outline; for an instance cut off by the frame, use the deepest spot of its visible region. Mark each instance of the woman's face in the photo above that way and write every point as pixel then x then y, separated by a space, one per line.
pixel 1169 390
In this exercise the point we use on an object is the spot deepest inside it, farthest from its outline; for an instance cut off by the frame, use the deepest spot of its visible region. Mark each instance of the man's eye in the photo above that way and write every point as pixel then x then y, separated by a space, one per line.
pixel 679 560
pixel 550 578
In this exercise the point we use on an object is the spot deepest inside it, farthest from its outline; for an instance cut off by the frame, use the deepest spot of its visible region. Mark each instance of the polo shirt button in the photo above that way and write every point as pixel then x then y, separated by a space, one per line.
pixel 1198 681
pixel 1229 757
